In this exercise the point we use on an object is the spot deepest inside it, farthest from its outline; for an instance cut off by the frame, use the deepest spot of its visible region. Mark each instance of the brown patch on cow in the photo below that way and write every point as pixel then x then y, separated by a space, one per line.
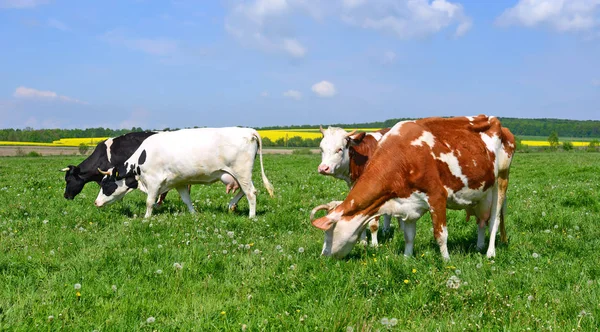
pixel 373 228
pixel 360 148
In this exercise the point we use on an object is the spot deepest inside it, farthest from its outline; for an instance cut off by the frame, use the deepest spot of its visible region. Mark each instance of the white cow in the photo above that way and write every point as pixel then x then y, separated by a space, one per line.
pixel 175 159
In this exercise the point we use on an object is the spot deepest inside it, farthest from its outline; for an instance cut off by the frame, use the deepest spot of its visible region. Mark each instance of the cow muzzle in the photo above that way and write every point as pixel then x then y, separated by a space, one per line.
pixel 324 169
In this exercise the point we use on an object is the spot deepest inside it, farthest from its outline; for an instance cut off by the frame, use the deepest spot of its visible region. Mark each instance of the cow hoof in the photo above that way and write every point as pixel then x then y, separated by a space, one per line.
pixel 491 254
pixel 232 208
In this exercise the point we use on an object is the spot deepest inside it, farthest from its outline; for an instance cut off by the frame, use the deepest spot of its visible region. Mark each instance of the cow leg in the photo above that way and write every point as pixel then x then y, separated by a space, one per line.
pixel 250 192
pixel 387 220
pixel 184 193
pixel 374 227
pixel 161 199
pixel 440 231
pixel 498 197
pixel 235 200
pixel 363 238
pixel 410 230
pixel 152 195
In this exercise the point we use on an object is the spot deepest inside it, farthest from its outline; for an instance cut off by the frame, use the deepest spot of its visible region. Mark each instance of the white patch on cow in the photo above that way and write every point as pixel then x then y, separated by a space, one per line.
pixel 394 131
pixel 427 137
pixel 491 142
pixel 470 118
pixel 503 158
pixel 454 166
pixel 377 136
pixel 443 243
pixel 352 203
pixel 108 143
pixel 474 162
pixel 410 208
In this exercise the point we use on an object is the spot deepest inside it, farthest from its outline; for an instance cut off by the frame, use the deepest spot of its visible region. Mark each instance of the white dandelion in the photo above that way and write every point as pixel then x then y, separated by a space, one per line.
pixel 300 250
pixel 150 320
pixel 77 286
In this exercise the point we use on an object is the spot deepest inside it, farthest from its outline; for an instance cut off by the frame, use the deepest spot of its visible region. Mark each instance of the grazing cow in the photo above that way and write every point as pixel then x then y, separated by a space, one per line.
pixel 175 159
pixel 106 154
pixel 344 156
pixel 425 165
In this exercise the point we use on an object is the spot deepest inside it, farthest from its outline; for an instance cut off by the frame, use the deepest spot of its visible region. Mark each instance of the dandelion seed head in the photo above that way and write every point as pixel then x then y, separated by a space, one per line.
pixel 114 288
pixel 530 298
pixel 479 265
pixel 77 286
pixel 150 320
pixel 385 321
pixel 457 272
pixel 349 329
pixel 293 267
pixel 224 252
pixel 393 322
pixel 300 250
pixel 177 266
pixel 277 247
pixel 50 318
pixel 45 221
pixel 230 234
pixel 535 255
pixel 126 223
pixel 159 271
pixel 247 246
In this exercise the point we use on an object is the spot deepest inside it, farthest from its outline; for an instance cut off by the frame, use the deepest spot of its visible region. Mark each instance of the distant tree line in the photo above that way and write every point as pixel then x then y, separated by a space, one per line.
pixel 50 135
pixel 519 127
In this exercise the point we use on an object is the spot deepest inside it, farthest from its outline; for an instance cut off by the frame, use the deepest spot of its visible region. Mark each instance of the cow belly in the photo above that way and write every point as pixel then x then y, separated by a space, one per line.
pixel 410 208
pixel 466 198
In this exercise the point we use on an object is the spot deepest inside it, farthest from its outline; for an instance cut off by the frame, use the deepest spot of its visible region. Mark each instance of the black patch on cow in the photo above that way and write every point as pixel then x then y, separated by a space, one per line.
pixel 109 185
pixel 139 171
pixel 131 182
pixel 142 158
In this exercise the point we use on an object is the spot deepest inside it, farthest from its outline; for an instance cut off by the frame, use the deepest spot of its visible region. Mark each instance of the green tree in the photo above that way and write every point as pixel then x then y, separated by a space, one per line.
pixel 553 140
pixel 83 148
pixel 567 146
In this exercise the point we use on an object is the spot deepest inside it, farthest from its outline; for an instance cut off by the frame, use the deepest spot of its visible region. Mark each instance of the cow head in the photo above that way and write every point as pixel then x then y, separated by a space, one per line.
pixel 341 233
pixel 74 181
pixel 117 183
pixel 335 160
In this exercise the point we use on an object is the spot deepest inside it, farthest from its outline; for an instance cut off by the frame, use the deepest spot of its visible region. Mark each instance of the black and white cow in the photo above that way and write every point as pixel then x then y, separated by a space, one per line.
pixel 107 154
pixel 175 159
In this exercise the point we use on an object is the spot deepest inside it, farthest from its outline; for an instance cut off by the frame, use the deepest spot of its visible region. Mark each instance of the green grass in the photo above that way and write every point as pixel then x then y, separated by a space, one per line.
pixel 553 211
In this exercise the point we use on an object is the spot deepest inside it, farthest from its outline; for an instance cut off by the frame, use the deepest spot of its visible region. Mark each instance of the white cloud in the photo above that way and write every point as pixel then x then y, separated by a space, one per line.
pixel 263 24
pixel 153 46
pixel 389 57
pixel 54 23
pixel 324 89
pixel 294 48
pixel 407 18
pixel 29 93
pixel 561 15
pixel 294 94
pixel 21 4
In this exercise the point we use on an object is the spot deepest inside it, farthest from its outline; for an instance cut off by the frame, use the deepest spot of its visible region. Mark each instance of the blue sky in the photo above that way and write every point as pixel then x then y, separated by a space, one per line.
pixel 157 64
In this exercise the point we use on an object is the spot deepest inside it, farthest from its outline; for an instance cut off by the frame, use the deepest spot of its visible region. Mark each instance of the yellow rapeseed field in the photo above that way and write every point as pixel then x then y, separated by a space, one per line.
pixel 546 143
pixel 273 135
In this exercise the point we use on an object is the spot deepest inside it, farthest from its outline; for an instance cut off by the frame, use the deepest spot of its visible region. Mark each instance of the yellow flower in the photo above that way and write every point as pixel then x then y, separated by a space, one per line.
pixel 451 267
pixel 222 312
pixel 374 259
pixel 406 281
pixel 78 294
pixel 414 270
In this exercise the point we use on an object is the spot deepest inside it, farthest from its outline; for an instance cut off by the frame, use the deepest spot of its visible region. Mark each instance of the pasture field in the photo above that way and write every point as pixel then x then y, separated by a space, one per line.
pixel 220 271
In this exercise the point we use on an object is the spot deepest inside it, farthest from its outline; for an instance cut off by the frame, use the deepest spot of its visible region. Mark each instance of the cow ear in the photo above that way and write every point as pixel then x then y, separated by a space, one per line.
pixel 356 139
pixel 323 223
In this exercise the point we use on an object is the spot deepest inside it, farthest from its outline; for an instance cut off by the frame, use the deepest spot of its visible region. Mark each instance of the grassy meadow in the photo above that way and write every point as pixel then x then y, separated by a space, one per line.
pixel 69 265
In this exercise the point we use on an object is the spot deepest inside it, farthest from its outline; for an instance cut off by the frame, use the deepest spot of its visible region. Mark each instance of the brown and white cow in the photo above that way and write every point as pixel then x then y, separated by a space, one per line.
pixel 424 165
pixel 344 155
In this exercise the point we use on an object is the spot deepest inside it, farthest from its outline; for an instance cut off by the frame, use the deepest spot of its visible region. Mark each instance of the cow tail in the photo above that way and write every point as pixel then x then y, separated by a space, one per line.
pixel 266 182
